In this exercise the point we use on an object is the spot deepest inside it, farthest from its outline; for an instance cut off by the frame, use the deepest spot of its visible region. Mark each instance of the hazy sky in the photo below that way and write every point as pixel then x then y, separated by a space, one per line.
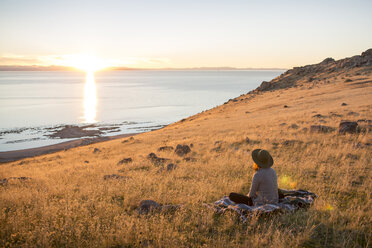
pixel 177 33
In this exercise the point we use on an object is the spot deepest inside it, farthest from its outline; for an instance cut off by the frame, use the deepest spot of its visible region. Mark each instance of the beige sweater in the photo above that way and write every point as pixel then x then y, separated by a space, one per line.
pixel 264 187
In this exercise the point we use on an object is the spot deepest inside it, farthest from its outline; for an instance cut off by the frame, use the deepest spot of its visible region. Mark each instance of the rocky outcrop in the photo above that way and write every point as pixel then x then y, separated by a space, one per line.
pixel 125 161
pixel 70 131
pixel 147 206
pixel 182 150
pixel 114 176
pixel 165 148
pixel 171 167
pixel 289 78
pixel 157 160
pixel 347 127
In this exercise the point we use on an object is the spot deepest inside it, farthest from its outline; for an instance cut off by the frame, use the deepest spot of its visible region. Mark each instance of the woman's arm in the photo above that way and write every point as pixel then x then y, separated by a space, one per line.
pixel 254 186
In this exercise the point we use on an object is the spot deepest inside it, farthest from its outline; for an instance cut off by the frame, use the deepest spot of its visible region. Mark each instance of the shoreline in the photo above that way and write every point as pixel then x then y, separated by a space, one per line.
pixel 11 156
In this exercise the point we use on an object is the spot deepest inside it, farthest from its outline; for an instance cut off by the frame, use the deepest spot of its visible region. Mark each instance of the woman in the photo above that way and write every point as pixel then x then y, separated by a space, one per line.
pixel 264 188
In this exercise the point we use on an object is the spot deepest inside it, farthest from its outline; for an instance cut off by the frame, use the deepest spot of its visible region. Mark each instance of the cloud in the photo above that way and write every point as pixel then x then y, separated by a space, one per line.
pixel 19 60
pixel 73 59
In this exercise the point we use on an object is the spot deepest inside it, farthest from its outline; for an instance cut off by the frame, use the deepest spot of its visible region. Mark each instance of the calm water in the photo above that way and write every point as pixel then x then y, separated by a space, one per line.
pixel 133 100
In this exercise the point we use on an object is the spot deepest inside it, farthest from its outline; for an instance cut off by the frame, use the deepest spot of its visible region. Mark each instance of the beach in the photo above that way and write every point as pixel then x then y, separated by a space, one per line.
pixel 32 152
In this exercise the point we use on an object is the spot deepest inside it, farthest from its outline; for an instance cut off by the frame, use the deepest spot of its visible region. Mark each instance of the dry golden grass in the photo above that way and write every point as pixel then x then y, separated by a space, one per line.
pixel 68 204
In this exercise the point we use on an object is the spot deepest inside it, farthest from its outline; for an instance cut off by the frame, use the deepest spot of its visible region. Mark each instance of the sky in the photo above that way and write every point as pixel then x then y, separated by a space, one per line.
pixel 183 34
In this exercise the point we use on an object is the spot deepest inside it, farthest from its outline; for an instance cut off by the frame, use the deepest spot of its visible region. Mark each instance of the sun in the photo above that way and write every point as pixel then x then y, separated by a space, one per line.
pixel 87 63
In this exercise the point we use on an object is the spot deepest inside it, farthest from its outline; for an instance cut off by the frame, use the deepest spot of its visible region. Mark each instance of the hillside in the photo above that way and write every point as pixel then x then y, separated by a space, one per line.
pixel 71 198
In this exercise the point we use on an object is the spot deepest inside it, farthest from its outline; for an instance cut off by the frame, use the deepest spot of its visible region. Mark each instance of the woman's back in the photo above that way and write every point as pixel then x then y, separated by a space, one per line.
pixel 264 187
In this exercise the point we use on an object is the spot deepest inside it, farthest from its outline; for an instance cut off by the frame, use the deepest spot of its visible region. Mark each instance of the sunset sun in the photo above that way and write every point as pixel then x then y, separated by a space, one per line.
pixel 87 63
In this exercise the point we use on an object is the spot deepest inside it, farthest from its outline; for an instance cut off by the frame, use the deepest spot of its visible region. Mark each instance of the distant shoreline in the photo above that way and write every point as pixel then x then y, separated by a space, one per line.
pixel 64 68
pixel 15 155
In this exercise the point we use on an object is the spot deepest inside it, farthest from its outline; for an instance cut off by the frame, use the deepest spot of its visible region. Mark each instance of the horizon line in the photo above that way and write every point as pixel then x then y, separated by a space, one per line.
pixel 70 68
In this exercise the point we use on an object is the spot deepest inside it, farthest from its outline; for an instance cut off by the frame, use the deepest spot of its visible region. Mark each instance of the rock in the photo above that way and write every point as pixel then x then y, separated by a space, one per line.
pixel 347 127
pixel 291 142
pixel 321 129
pixel 69 131
pixel 156 160
pixel 182 150
pixel 96 150
pixel 319 116
pixel 86 161
pixel 327 61
pixel 249 141
pixel 20 178
pixel 348 80
pixel 365 121
pixel 165 148
pixel 217 149
pixel 127 140
pixel 3 182
pixel 264 85
pixel 285 106
pixel 190 159
pixel 171 167
pixel 352 113
pixel 335 115
pixel 343 104
pixel 148 206
pixel 152 156
pixel 113 176
pixel 367 53
pixel 294 126
pixel 125 161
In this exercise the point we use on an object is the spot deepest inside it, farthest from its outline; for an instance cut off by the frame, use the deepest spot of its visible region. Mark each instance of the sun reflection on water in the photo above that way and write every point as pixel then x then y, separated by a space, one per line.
pixel 90 98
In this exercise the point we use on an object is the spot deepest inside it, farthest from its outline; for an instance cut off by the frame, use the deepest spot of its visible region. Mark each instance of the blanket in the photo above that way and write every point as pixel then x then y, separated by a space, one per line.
pixel 291 200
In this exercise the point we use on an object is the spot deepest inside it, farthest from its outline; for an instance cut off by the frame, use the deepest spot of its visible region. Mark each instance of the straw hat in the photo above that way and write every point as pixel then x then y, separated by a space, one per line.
pixel 262 158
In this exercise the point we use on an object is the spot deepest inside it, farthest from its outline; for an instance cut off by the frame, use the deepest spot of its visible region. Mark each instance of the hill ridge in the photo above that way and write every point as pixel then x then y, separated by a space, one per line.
pixel 329 65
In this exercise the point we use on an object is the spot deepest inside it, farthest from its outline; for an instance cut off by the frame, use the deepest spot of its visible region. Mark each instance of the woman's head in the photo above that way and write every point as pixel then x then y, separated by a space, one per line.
pixel 262 158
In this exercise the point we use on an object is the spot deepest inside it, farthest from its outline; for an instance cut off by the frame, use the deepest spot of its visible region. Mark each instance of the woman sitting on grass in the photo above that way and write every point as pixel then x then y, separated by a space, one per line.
pixel 264 188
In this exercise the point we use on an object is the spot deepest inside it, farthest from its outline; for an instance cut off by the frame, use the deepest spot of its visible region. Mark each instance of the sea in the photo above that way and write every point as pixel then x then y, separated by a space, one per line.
pixel 36 104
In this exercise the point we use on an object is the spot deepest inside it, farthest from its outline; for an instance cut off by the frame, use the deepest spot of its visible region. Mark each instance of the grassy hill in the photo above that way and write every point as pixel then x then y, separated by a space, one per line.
pixel 66 200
